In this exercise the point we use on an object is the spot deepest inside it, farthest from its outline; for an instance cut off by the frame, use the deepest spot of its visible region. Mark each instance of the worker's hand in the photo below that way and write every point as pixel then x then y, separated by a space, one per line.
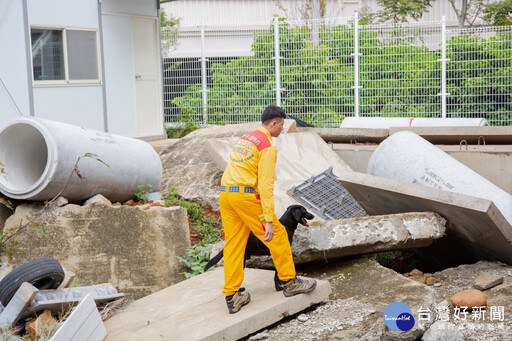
pixel 269 231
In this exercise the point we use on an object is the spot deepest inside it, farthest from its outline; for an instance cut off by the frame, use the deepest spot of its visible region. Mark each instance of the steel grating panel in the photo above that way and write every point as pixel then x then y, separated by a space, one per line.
pixel 324 194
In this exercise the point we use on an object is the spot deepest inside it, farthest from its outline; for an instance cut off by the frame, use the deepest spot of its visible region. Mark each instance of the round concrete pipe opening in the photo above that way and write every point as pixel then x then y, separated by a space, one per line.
pixel 24 153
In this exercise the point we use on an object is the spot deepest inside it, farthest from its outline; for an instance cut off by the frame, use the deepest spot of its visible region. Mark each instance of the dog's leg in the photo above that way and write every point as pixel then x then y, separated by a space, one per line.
pixel 277 282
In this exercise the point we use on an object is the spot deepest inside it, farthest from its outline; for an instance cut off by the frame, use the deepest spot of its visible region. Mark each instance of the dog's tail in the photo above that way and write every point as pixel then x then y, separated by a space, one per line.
pixel 214 260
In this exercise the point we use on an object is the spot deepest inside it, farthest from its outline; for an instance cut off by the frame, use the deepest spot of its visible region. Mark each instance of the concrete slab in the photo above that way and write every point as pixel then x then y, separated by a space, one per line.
pixel 475 226
pixel 300 156
pixel 196 309
pixel 348 135
pixel 453 135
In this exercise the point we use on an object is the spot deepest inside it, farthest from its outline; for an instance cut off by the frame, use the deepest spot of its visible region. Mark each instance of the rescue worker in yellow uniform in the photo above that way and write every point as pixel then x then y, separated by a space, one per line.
pixel 247 204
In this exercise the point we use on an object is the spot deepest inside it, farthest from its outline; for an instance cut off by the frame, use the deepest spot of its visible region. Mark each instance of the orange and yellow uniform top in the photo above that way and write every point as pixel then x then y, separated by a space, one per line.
pixel 252 163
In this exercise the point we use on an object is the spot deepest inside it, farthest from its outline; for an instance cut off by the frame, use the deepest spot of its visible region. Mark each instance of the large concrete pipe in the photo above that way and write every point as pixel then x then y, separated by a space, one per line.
pixel 388 122
pixel 39 156
pixel 407 157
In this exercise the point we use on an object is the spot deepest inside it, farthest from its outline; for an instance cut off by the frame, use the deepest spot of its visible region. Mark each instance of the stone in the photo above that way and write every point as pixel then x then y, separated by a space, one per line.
pixel 188 167
pixel 98 199
pixel 415 272
pixel 41 326
pixel 144 206
pixel 355 236
pixel 486 281
pixel 158 203
pixel 260 336
pixel 129 202
pixel 132 249
pixel 302 318
pixel 462 277
pixel 419 279
pixel 469 298
pixel 441 331
pixel 117 204
pixel 437 284
pixel 427 275
pixel 430 281
pixel 61 201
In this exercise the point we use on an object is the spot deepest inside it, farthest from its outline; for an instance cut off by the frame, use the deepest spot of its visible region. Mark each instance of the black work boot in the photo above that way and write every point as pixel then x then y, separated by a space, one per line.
pixel 236 301
pixel 298 286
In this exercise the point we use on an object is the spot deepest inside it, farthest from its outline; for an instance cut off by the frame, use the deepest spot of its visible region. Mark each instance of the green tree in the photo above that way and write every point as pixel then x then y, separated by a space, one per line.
pixel 498 13
pixel 395 11
pixel 468 11
pixel 168 20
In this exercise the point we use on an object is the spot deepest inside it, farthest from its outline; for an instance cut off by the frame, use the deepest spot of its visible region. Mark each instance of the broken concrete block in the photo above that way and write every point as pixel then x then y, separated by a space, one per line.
pixel 197 308
pixel 415 272
pixel 17 305
pixel 41 326
pixel 69 276
pixel 340 238
pixel 132 249
pixel 487 281
pixel 469 298
pixel 98 199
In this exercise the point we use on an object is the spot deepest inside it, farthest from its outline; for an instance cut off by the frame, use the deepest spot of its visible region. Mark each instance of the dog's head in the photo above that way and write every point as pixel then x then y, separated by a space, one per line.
pixel 300 214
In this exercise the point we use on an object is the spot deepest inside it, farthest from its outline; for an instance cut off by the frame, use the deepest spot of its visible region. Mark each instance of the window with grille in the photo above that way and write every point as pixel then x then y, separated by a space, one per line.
pixel 64 56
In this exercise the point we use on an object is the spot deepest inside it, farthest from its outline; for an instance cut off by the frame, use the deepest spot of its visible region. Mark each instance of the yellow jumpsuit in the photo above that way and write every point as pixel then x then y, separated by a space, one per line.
pixel 247 203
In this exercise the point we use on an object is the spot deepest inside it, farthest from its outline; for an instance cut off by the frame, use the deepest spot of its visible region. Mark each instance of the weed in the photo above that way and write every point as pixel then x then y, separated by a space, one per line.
pixel 204 224
pixel 197 257
pixel 142 193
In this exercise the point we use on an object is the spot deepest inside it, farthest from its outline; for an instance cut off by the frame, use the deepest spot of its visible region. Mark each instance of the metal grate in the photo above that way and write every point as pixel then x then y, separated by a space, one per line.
pixel 324 194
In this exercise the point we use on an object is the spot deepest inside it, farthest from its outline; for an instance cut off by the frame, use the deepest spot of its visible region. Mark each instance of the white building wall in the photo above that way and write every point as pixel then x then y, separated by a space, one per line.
pixel 13 62
pixel 130 7
pixel 119 74
pixel 79 105
pixel 222 12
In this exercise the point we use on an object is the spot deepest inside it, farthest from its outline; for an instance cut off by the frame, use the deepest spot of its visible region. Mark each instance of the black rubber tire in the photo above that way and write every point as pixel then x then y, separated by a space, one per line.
pixel 43 273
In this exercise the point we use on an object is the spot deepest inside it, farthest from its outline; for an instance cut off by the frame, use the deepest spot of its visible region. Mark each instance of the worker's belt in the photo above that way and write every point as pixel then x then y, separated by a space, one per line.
pixel 236 189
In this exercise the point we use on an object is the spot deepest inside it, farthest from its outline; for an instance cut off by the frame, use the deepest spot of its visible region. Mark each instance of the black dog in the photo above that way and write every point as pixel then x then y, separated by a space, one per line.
pixel 290 219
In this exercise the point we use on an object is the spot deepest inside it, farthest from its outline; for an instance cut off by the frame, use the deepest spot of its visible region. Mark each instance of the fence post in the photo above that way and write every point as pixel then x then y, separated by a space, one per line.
pixel 443 67
pixel 203 76
pixel 277 57
pixel 356 64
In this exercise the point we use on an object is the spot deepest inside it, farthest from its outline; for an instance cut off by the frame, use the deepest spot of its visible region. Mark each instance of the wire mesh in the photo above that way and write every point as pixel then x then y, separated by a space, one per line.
pixel 479 73
pixel 324 195
pixel 399 71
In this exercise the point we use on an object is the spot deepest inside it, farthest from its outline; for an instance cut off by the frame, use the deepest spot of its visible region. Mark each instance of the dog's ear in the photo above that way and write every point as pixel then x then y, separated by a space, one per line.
pixel 297 214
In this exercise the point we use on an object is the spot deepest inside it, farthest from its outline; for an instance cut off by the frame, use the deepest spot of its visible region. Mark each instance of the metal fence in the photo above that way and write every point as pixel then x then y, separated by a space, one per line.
pixel 321 71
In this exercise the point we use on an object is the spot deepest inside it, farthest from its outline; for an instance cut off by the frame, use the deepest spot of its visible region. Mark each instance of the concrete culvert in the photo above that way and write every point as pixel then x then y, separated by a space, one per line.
pixel 39 156
pixel 407 157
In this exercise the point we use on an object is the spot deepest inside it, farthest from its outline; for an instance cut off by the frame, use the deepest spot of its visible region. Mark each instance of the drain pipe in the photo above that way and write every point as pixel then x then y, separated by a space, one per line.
pixel 39 155
pixel 407 157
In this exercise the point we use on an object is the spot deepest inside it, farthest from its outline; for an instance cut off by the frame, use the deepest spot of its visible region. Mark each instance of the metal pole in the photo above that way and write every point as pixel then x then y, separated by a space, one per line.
pixel 443 67
pixel 278 72
pixel 356 64
pixel 203 76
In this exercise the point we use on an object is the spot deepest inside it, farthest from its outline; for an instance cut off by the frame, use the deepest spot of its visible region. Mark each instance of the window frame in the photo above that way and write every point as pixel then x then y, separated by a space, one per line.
pixel 66 81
